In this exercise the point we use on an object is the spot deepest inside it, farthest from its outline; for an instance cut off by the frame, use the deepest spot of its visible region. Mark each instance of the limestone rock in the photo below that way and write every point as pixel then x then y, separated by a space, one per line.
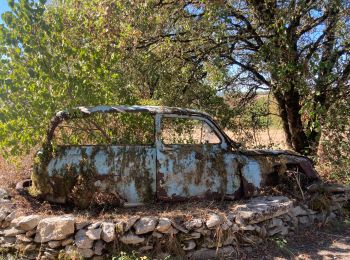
pixel 54 244
pixel 81 224
pixel 130 222
pixel 189 245
pixel 12 232
pixel 261 208
pixel 94 234
pixel 82 240
pixel 131 239
pixel 145 225
pixel 94 225
pixel 11 216
pixel 108 231
pixel 54 228
pixel 24 238
pixel 193 224
pixel 276 222
pixel 27 223
pixel 164 225
pixel 220 253
pixel 179 227
pixel 213 220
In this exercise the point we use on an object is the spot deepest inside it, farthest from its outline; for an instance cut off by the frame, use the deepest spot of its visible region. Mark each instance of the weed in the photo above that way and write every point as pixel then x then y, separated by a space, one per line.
pixel 282 245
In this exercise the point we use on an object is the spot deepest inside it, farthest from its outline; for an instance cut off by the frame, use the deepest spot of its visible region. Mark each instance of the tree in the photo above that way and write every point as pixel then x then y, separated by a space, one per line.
pixel 297 49
pixel 72 53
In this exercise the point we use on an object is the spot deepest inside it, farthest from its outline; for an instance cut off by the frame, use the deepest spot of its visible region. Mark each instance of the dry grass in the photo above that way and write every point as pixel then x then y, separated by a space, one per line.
pixel 270 138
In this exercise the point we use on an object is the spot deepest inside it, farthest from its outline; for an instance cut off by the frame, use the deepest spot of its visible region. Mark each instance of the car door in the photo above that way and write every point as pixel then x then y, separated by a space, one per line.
pixel 193 160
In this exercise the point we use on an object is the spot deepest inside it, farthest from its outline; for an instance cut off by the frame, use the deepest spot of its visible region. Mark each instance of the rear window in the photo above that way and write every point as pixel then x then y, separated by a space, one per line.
pixel 107 129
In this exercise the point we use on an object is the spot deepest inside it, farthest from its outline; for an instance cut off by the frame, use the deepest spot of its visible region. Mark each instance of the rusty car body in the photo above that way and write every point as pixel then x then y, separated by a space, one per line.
pixel 159 170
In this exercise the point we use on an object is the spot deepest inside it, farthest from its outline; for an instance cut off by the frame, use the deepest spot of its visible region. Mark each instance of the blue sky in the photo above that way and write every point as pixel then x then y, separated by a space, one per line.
pixel 3 7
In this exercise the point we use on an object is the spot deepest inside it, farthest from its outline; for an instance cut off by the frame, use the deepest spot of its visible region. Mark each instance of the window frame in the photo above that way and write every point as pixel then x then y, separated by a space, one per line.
pixel 214 129
pixel 154 134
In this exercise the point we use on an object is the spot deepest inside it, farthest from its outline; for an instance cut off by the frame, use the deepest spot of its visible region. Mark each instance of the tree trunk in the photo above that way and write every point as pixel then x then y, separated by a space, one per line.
pixel 289 108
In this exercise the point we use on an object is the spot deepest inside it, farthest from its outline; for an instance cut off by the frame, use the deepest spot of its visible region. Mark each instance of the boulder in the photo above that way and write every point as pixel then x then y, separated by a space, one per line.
pixel 27 223
pixel 82 240
pixel 54 228
pixel 213 220
pixel 261 208
pixel 145 225
pixel 108 231
pixel 193 224
pixel 94 234
pixel 131 239
pixel 164 225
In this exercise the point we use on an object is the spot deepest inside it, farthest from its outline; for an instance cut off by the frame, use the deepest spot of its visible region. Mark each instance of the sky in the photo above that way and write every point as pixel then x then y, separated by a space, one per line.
pixel 3 7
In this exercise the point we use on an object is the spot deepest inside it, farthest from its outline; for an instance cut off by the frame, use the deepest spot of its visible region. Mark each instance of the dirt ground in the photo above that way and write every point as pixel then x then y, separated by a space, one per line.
pixel 329 242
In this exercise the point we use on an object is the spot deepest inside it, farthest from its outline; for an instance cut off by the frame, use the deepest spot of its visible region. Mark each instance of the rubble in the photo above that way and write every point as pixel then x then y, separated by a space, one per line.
pixel 43 237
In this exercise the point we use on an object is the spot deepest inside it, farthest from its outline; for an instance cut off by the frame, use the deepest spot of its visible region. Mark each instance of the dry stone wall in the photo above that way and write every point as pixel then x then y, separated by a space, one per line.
pixel 193 237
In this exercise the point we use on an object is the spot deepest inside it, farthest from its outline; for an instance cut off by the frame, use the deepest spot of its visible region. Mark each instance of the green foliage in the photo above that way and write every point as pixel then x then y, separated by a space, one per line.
pixel 334 151
pixel 67 53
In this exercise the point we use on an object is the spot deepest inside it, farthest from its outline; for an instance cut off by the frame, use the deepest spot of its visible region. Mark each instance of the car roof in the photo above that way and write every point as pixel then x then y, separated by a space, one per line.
pixel 70 113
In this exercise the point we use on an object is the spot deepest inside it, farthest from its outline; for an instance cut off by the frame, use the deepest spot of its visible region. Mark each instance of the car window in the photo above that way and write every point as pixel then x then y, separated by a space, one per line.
pixel 107 129
pixel 187 131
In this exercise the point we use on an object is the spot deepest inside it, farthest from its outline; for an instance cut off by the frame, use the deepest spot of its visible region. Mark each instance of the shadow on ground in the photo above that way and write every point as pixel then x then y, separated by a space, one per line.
pixel 327 242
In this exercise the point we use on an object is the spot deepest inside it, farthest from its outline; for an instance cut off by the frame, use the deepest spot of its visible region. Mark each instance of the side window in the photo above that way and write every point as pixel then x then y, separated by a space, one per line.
pixel 187 131
pixel 107 129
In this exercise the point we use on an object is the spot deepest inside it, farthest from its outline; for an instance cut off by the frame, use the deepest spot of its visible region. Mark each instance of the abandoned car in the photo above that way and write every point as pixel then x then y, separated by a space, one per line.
pixel 141 154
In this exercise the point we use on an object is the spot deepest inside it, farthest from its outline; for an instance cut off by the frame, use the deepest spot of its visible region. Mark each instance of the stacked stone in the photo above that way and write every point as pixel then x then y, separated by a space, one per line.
pixel 45 237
